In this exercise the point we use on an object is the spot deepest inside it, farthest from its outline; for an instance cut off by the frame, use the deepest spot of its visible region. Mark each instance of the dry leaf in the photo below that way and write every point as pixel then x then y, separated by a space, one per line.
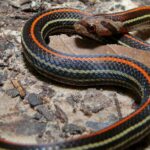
pixel 78 45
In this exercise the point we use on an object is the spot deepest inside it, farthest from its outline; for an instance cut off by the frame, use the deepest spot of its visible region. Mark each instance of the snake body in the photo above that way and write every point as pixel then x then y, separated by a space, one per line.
pixel 84 70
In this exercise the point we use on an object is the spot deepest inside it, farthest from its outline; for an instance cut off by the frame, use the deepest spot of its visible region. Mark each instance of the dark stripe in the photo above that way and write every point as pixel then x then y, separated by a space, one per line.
pixel 140 21
pixel 129 16
pixel 109 26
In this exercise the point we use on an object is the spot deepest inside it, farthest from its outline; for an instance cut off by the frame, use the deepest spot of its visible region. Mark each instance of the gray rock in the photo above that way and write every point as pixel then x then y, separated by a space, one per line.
pixel 74 98
pixel 51 126
pixel 18 3
pixel 34 99
pixel 49 115
pixel 47 91
pixel 37 116
pixel 12 92
pixel 60 114
pixel 15 3
pixel 113 118
pixel 30 127
pixel 3 77
pixel 96 125
pixel 51 134
pixel 94 101
pixel 73 129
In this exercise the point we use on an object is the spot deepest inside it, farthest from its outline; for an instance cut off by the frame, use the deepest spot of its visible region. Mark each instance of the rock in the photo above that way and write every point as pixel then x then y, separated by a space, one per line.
pixel 36 5
pixel 60 114
pixel 60 1
pixel 1 80
pixel 15 3
pixel 26 7
pixel 34 100
pixel 51 126
pixel 49 92
pixel 37 116
pixel 73 129
pixel 18 3
pixel 74 98
pixel 96 125
pixel 94 101
pixel 3 77
pixel 12 92
pixel 51 134
pixel 86 110
pixel 113 118
pixel 30 127
pixel 49 115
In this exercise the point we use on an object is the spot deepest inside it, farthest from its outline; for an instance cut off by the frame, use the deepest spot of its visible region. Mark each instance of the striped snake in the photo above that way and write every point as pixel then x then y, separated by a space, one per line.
pixel 97 69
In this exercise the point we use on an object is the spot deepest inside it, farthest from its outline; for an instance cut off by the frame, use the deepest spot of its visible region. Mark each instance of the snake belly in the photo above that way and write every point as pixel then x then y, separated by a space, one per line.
pixel 85 70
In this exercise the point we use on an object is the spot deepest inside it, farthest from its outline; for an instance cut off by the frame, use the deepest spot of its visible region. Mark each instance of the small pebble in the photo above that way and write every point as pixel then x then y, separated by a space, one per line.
pixel 51 133
pixel 37 116
pixel 74 98
pixel 97 125
pixel 12 92
pixel 18 3
pixel 30 127
pixel 14 3
pixel 34 100
pixel 60 114
pixel 47 92
pixel 113 118
pixel 94 101
pixel 51 126
pixel 73 129
pixel 49 115
pixel 59 1
pixel 3 77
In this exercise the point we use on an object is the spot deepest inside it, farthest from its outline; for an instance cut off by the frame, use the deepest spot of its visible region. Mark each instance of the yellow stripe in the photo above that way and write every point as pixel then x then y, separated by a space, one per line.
pixel 121 83
pixel 51 29
pixel 60 20
pixel 130 138
pixel 136 19
pixel 83 71
pixel 116 137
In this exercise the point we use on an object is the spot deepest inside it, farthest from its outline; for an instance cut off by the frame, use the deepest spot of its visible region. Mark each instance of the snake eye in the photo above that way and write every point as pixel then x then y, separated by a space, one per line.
pixel 91 28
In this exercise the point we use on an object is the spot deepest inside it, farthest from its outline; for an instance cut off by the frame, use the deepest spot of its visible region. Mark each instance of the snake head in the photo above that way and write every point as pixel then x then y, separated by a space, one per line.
pixel 86 27
pixel 98 26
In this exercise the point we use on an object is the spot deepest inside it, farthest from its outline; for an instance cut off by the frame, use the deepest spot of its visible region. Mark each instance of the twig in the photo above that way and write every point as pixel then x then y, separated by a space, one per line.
pixel 19 87
pixel 117 106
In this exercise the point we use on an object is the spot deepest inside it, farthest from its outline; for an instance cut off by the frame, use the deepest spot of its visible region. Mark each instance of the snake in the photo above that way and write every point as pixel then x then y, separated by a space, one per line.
pixel 92 70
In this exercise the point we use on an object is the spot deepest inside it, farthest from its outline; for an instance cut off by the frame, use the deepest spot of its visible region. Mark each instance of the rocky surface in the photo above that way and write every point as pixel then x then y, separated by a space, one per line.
pixel 34 109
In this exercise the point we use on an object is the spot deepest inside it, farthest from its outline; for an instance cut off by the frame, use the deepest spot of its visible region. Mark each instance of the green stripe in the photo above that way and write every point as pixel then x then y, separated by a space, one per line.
pixel 89 80
pixel 136 19
pixel 58 20
pixel 119 82
pixel 53 28
pixel 83 71
pixel 139 134
pixel 124 44
pixel 116 137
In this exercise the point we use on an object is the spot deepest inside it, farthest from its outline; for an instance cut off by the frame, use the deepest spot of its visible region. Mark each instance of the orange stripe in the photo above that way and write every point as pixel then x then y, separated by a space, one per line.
pixel 46 14
pixel 131 11
pixel 134 39
pixel 119 122
pixel 85 59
